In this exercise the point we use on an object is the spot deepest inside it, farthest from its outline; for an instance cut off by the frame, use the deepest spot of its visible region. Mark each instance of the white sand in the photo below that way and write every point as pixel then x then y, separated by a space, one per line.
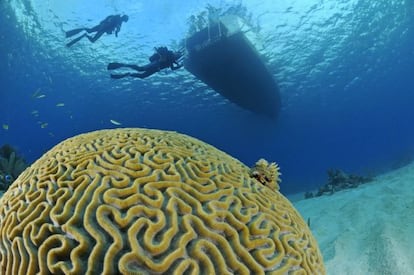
pixel 369 229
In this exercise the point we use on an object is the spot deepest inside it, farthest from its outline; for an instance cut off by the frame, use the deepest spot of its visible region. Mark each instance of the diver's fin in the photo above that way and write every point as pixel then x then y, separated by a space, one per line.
pixel 114 65
pixel 118 76
pixel 75 40
pixel 74 32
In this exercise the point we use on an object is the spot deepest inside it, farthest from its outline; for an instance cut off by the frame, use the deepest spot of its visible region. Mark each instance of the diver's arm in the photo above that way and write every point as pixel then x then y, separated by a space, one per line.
pixel 117 29
pixel 118 26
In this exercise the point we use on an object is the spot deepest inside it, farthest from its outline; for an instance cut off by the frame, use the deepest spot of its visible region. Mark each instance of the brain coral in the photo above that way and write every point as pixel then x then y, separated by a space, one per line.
pixel 139 201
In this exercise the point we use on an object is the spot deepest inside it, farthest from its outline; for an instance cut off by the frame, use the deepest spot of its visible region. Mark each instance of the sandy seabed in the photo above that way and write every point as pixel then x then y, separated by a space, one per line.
pixel 369 229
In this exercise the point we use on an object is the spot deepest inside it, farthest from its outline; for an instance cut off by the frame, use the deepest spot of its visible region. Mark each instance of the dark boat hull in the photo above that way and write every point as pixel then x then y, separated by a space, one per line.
pixel 231 66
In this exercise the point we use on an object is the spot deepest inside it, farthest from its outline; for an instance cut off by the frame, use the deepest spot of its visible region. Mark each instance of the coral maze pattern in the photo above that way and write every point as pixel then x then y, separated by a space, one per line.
pixel 138 201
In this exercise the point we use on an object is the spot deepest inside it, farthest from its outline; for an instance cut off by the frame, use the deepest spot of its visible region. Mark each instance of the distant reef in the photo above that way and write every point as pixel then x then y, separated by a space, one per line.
pixel 338 180
pixel 11 166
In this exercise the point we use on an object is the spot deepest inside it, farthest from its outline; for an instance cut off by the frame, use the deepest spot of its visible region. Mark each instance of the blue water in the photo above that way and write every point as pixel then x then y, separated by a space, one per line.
pixel 345 71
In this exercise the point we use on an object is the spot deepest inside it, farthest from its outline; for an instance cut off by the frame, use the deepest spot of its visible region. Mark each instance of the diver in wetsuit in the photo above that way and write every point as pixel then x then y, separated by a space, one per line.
pixel 108 25
pixel 161 59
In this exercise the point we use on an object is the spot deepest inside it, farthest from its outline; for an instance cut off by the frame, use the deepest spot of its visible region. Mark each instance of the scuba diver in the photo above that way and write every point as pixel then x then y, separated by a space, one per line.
pixel 108 25
pixel 161 59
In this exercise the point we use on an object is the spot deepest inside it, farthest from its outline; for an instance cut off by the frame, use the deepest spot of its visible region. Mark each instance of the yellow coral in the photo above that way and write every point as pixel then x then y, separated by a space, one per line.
pixel 138 201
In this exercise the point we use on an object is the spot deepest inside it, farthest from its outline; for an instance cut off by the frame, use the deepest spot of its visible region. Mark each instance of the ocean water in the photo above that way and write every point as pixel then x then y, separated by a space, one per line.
pixel 345 71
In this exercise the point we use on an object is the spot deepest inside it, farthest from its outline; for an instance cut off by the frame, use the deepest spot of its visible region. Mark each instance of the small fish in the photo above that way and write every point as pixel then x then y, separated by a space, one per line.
pixel 36 93
pixel 44 125
pixel 41 96
pixel 6 126
pixel 60 104
pixel 115 122
pixel 35 112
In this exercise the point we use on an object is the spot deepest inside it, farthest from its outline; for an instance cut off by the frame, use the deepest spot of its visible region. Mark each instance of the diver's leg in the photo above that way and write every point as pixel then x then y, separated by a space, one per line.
pixel 144 74
pixel 150 70
pixel 95 37
pixel 118 76
pixel 153 66
pixel 116 65
pixel 74 32
pixel 135 67
pixel 94 29
pixel 75 40
pixel 139 75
